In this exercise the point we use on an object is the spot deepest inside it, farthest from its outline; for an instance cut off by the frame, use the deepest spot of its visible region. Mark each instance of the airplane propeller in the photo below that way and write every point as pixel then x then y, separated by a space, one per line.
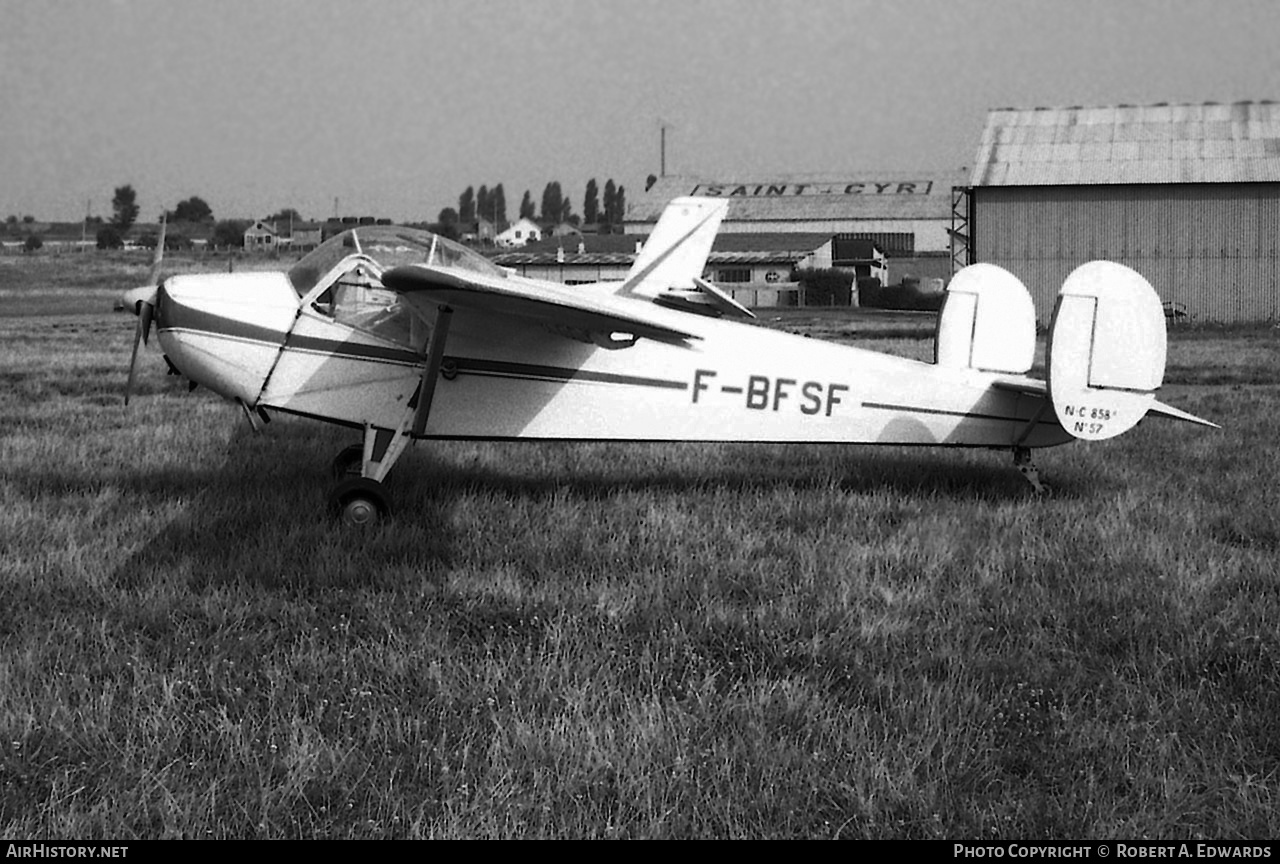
pixel 143 301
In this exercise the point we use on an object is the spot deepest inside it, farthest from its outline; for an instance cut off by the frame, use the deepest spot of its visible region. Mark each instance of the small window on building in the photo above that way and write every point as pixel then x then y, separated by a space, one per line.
pixel 734 274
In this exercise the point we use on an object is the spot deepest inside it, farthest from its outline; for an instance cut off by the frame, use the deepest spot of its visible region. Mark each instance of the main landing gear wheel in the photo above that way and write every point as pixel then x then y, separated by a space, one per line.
pixel 347 463
pixel 359 502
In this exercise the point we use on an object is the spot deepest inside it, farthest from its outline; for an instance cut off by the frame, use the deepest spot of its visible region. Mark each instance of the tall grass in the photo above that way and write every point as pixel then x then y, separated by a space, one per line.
pixel 598 640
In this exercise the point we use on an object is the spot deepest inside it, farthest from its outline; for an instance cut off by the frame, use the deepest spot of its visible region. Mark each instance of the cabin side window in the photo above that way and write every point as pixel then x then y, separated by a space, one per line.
pixel 357 299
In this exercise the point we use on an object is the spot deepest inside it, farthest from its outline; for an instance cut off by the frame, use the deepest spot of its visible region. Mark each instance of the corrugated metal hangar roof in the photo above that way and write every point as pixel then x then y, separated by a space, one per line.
pixel 807 197
pixel 1203 143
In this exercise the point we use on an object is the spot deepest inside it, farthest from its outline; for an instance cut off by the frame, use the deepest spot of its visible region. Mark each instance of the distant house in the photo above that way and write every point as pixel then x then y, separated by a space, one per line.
pixel 481 231
pixel 520 233
pixel 263 236
pixel 57 236
pixel 301 235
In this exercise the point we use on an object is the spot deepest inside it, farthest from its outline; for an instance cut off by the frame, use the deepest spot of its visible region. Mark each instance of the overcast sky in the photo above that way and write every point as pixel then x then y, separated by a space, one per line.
pixel 395 107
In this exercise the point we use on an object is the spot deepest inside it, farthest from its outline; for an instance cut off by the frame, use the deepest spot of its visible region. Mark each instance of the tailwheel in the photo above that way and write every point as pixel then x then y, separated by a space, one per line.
pixel 1023 462
pixel 359 502
pixel 347 463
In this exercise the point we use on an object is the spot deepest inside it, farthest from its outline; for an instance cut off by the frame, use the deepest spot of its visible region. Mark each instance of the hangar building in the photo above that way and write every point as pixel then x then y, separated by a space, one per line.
pixel 904 214
pixel 1188 195
pixel 756 269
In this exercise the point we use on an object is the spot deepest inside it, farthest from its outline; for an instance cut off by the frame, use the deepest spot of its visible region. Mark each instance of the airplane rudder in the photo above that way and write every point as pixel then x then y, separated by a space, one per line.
pixel 676 251
pixel 1107 349
pixel 987 322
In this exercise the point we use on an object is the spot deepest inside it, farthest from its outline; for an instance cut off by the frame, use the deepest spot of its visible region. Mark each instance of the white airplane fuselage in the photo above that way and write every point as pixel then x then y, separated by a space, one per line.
pixel 249 337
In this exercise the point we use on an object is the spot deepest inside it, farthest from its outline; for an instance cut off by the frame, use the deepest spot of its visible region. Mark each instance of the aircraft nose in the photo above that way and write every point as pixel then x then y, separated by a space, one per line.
pixel 225 331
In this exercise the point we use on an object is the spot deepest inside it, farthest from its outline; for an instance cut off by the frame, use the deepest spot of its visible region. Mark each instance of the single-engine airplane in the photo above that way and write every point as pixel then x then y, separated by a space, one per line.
pixel 404 335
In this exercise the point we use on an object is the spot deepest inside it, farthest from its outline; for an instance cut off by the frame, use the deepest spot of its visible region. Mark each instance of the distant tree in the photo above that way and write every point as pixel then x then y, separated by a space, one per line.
pixel 229 233
pixel 498 205
pixel 620 206
pixel 28 219
pixel 552 202
pixel 610 202
pixel 649 181
pixel 284 216
pixel 192 210
pixel 527 210
pixel 12 220
pixel 172 240
pixel 466 206
pixel 482 203
pixel 566 212
pixel 591 203
pixel 109 237
pixel 125 207
pixel 446 224
pixel 32 243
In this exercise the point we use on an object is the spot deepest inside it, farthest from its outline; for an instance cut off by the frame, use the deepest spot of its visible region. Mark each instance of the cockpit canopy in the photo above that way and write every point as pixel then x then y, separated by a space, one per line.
pixel 341 280
pixel 389 246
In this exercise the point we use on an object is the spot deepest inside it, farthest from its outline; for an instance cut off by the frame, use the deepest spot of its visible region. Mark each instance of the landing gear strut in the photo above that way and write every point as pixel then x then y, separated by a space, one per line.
pixel 1022 461
pixel 359 499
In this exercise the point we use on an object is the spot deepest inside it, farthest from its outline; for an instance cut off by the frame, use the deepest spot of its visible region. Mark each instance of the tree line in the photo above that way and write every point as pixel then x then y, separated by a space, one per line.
pixel 125 209
pixel 226 232
pixel 473 205
pixel 554 208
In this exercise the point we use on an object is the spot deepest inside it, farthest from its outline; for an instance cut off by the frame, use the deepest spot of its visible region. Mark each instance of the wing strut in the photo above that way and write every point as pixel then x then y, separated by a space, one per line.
pixel 435 354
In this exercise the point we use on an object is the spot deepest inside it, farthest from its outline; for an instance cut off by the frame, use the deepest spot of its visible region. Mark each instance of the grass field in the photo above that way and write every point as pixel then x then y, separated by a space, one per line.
pixel 589 640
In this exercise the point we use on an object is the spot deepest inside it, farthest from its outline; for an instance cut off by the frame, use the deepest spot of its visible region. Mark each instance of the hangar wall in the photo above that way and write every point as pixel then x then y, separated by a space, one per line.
pixel 1211 247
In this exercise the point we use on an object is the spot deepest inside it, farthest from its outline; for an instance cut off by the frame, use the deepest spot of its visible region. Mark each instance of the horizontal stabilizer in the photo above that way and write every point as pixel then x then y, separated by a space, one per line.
pixel 569 312
pixel 1022 384
pixel 722 299
pixel 1177 414
pixel 1036 387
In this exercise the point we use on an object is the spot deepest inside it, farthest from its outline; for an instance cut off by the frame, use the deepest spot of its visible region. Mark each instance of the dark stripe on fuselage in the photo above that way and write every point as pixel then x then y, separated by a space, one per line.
pixel 179 317
pixel 175 316
pixel 171 315
pixel 970 415
pixel 504 369
pixel 354 349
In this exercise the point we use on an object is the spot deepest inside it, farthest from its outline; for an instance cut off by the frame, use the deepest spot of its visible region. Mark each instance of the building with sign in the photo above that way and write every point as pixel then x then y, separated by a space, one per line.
pixel 904 213
pixel 756 269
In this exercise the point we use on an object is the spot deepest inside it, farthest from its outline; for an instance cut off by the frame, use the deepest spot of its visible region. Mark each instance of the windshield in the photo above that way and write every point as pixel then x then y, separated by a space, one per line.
pixel 389 246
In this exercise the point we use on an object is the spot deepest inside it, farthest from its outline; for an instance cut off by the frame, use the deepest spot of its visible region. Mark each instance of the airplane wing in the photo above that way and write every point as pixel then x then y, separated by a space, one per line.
pixel 1036 387
pixel 575 314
